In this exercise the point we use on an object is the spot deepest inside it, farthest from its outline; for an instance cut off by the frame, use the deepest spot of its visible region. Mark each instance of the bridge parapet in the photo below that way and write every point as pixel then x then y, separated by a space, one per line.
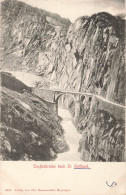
pixel 53 95
pixel 48 95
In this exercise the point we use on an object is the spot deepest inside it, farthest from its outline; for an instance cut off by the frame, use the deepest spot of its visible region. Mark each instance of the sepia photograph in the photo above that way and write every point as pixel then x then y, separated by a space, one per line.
pixel 62 68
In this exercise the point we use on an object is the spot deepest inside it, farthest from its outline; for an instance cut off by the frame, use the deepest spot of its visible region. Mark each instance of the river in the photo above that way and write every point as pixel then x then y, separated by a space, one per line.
pixel 71 135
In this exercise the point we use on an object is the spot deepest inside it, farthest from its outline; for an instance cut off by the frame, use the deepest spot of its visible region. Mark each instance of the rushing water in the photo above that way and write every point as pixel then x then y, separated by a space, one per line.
pixel 72 137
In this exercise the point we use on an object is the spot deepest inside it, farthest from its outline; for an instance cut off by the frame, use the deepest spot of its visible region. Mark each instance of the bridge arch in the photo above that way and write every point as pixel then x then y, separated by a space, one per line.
pixel 74 103
pixel 64 94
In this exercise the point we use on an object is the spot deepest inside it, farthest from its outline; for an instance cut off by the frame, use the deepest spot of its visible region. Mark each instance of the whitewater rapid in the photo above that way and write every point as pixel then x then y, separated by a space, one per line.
pixel 71 135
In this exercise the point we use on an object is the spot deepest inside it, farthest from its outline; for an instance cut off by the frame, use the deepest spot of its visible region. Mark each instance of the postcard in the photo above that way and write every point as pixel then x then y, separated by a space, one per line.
pixel 62 66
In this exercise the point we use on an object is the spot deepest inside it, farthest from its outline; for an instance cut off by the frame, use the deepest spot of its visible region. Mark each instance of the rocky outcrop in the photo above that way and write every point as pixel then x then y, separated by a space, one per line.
pixel 94 62
pixel 30 127
pixel 31 38
pixel 85 56
pixel 103 132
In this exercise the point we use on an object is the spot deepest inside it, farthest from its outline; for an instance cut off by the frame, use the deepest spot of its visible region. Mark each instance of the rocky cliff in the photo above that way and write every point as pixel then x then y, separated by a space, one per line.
pixel 86 56
pixel 30 127
pixel 30 35
pixel 94 62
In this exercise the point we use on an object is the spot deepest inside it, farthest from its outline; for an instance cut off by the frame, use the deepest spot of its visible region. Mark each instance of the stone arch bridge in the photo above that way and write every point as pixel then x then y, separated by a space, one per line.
pixel 53 96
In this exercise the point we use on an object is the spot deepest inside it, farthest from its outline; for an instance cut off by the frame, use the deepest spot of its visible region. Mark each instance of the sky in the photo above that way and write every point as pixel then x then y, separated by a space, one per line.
pixel 73 9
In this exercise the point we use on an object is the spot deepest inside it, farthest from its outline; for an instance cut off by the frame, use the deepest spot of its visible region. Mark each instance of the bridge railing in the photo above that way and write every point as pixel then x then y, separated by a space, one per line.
pixel 49 95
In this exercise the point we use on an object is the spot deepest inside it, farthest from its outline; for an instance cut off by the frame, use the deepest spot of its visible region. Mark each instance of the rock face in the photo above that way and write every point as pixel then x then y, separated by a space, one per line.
pixel 86 56
pixel 29 35
pixel 95 60
pixel 95 64
pixel 103 132
pixel 30 127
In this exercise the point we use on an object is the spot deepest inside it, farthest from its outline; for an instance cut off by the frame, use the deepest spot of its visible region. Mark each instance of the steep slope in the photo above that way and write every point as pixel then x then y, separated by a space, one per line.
pixel 94 62
pixel 30 34
pixel 87 56
pixel 30 128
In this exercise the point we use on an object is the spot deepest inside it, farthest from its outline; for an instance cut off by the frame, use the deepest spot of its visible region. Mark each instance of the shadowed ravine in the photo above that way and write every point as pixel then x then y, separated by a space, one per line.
pixel 71 135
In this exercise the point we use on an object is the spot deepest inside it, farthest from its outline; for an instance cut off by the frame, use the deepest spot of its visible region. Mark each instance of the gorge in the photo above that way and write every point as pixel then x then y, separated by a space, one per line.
pixel 86 56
